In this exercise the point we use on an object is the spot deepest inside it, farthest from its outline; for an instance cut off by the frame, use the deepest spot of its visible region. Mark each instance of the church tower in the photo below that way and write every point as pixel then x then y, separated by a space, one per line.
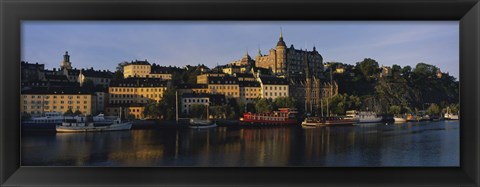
pixel 66 64
pixel 280 56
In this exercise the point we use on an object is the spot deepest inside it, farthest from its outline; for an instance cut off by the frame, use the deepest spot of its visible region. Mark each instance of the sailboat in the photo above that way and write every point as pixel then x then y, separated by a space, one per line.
pixel 202 123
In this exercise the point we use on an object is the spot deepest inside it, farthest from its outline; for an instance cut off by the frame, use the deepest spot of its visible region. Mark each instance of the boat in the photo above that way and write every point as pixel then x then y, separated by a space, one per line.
pixel 202 123
pixel 83 124
pixel 450 116
pixel 363 116
pixel 400 119
pixel 46 122
pixel 325 121
pixel 50 120
pixel 284 116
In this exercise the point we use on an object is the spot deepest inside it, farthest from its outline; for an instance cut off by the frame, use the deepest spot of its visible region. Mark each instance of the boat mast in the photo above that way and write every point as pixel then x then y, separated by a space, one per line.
pixel 176 106
pixel 207 111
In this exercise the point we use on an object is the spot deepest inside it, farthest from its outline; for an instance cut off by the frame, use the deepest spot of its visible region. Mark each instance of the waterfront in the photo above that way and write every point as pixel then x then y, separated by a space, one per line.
pixel 364 145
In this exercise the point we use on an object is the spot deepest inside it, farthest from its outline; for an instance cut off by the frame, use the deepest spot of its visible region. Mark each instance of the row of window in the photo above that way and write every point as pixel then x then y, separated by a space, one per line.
pixel 136 96
pixel 55 97
pixel 223 87
pixel 133 89
pixel 275 87
pixel 195 100
pixel 54 102
pixel 275 94
pixel 54 107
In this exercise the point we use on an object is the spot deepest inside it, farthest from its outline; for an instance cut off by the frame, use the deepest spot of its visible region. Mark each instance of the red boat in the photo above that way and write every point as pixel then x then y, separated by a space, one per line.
pixel 284 116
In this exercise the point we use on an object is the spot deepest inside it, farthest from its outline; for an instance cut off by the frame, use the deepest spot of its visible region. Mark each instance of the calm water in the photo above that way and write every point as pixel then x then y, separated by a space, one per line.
pixel 407 144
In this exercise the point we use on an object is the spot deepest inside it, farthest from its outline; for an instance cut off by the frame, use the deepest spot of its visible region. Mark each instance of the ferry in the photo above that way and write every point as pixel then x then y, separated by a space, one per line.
pixel 325 121
pixel 284 116
pixel 50 120
pixel 364 116
pixel 85 124
pixel 46 122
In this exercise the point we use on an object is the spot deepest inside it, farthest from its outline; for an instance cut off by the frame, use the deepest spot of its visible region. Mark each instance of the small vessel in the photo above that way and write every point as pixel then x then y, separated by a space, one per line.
pixel 400 119
pixel 46 122
pixel 364 116
pixel 202 123
pixel 450 116
pixel 323 121
pixel 83 124
pixel 284 116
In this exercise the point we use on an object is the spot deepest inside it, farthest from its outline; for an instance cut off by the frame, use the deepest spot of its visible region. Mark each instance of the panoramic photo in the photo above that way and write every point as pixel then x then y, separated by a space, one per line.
pixel 240 93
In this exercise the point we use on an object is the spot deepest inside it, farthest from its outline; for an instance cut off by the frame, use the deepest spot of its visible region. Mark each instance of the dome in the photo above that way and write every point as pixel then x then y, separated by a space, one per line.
pixel 281 42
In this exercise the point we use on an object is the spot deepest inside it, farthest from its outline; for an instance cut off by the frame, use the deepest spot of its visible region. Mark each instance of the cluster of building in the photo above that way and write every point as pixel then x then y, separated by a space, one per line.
pixel 283 72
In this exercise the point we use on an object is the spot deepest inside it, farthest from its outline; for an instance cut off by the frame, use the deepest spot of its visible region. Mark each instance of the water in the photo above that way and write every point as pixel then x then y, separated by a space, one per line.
pixel 365 145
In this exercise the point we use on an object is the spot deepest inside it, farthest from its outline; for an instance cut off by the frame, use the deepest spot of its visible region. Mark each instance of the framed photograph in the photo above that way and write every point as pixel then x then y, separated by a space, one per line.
pixel 240 93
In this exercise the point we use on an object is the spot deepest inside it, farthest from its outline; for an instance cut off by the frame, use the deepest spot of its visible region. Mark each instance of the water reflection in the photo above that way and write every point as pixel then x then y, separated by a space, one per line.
pixel 406 144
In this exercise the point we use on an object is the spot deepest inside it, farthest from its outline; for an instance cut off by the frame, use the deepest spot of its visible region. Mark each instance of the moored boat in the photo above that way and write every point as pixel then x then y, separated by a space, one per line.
pixel 324 121
pixel 284 116
pixel 450 116
pixel 83 124
pixel 363 116
pixel 201 123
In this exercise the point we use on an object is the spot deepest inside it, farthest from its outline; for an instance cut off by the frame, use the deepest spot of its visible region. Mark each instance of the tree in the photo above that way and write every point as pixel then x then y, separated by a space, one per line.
pixel 152 110
pixel 120 66
pixel 69 112
pixel 433 109
pixel 284 102
pixel 264 105
pixel 198 111
pixel 167 104
pixel 368 67
pixel 394 109
pixel 77 112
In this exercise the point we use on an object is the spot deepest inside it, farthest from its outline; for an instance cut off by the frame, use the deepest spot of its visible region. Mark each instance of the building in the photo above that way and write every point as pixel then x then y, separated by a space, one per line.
pixel 203 78
pixel 207 100
pixel 273 87
pixel 31 72
pixel 288 61
pixel 192 88
pixel 129 111
pixel 249 91
pixel 245 76
pixel 137 69
pixel 99 78
pixel 144 69
pixel 227 86
pixel 66 64
pixel 37 101
pixel 136 90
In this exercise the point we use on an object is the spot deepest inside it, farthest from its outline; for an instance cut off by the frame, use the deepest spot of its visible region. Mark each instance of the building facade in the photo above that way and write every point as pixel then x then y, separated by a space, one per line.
pixel 136 90
pixel 288 61
pixel 37 101
pixel 273 87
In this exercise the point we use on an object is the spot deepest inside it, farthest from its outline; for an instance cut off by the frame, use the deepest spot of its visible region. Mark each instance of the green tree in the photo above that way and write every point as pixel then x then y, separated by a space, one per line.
pixel 284 102
pixel 394 109
pixel 69 112
pixel 152 110
pixel 368 67
pixel 77 112
pixel 264 105
pixel 167 104
pixel 433 109
pixel 198 111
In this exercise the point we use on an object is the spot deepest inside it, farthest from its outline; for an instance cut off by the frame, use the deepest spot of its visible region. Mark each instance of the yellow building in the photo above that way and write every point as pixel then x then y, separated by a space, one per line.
pixel 129 111
pixel 98 77
pixel 144 69
pixel 136 90
pixel 137 69
pixel 227 86
pixel 192 88
pixel 37 101
pixel 203 78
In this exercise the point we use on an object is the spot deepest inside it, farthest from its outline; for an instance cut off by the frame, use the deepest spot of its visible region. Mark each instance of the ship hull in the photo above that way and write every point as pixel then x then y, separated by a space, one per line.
pixel 115 127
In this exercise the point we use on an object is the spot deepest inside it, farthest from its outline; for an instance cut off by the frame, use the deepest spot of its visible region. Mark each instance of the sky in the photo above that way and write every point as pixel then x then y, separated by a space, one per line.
pixel 104 44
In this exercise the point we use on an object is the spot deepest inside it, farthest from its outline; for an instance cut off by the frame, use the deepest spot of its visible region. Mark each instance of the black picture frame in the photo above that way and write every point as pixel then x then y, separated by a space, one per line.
pixel 12 12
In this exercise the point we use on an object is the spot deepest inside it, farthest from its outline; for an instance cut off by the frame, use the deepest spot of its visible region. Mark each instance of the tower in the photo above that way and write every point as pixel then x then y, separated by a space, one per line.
pixel 280 55
pixel 66 64
pixel 308 85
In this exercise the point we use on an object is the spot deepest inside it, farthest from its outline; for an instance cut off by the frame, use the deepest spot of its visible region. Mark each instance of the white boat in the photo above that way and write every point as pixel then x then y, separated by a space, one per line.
pixel 201 123
pixel 84 125
pixel 450 116
pixel 399 119
pixel 364 116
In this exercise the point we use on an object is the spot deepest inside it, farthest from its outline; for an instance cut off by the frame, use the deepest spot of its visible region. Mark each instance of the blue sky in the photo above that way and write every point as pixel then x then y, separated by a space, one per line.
pixel 104 44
